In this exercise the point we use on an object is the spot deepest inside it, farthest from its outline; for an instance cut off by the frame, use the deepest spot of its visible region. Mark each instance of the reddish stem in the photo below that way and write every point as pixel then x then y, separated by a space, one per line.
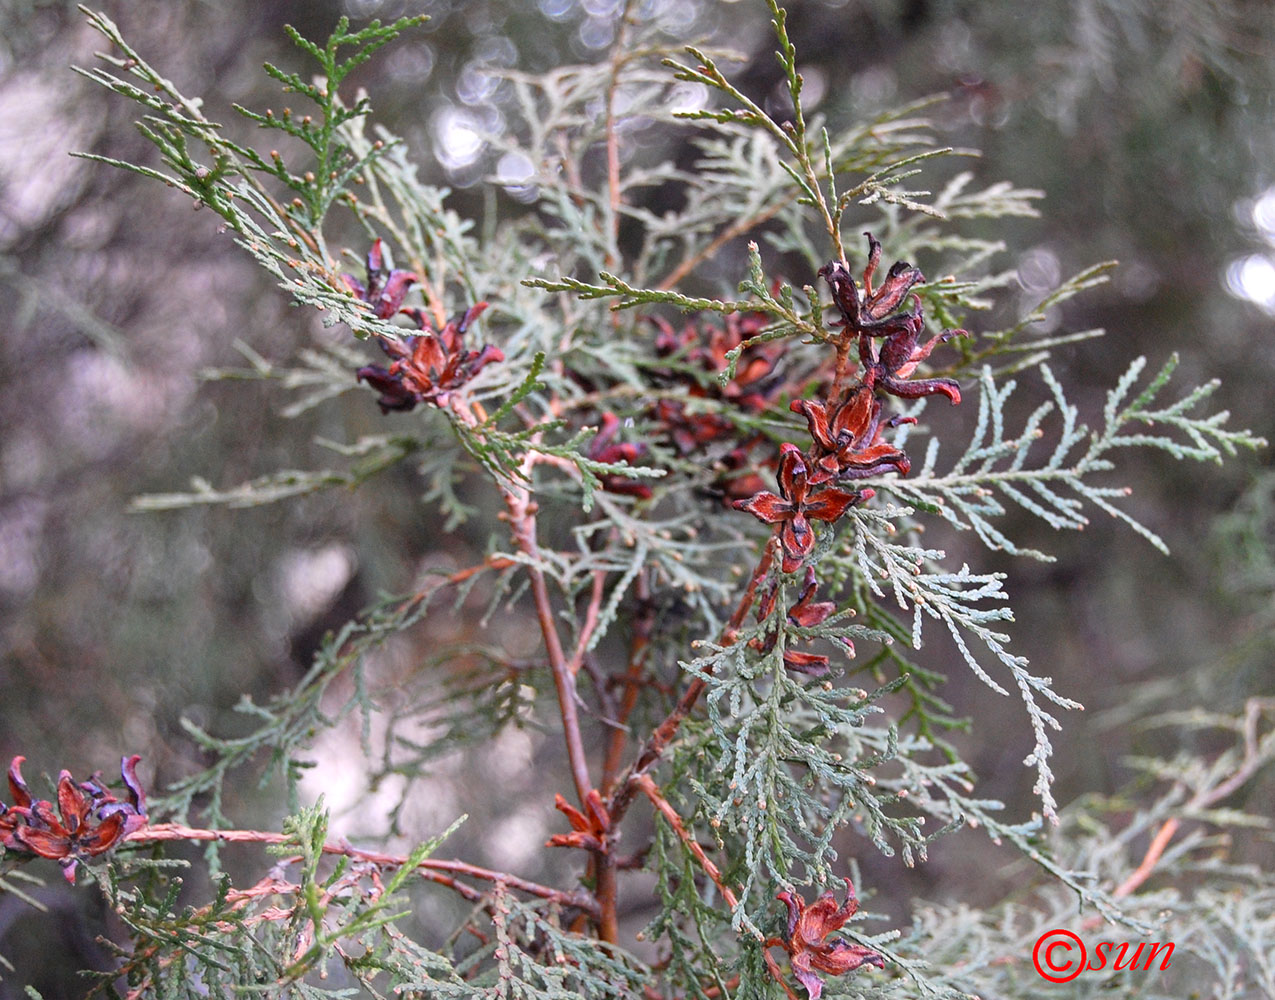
pixel 429 868
pixel 605 864
pixel 658 741
pixel 738 228
pixel 1143 872
pixel 775 972
pixel 606 892
pixel 522 520
pixel 625 790
pixel 644 784
pixel 619 55
pixel 632 683
pixel 590 621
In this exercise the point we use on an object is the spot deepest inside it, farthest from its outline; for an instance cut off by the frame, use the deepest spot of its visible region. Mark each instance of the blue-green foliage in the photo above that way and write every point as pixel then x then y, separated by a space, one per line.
pixel 773 772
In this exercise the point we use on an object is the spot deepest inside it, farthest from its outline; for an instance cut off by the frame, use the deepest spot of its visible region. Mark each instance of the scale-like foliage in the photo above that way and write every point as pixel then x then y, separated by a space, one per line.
pixel 713 520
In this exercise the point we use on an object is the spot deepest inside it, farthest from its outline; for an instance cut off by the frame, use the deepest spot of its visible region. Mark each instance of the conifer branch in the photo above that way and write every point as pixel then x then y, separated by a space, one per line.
pixel 615 195
pixel 634 675
pixel 625 788
pixel 522 523
pixel 674 441
pixel 648 788
pixel 435 869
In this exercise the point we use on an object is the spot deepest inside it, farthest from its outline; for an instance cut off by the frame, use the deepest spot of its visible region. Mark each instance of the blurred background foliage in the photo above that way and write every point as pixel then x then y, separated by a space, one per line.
pixel 1149 126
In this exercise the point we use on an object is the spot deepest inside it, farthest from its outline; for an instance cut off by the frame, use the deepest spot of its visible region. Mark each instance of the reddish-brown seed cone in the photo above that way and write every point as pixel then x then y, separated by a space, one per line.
pixel 604 448
pixel 809 949
pixel 798 502
pixel 805 613
pixel 384 289
pixel 871 312
pixel 876 313
pixel 848 442
pixel 429 367
pixel 89 820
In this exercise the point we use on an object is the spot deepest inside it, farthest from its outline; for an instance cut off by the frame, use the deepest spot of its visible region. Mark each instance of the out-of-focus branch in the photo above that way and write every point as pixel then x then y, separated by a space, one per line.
pixel 1251 760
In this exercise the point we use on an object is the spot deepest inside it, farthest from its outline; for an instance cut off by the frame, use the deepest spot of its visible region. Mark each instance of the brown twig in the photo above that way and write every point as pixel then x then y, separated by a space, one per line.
pixel 658 741
pixel 607 708
pixel 648 787
pixel 619 56
pixel 777 973
pixel 606 892
pixel 690 262
pixel 522 520
pixel 635 779
pixel 590 621
pixel 642 624
pixel 750 592
pixel 606 864
pixel 841 369
pixel 460 576
pixel 1143 872
pixel 430 868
